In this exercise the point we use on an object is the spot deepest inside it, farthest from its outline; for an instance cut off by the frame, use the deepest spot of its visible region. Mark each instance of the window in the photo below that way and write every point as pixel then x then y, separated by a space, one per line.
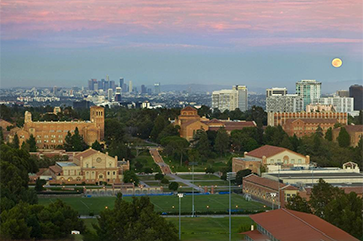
pixel 108 173
pixel 60 141
pixel 299 161
pixel 113 173
pixel 46 136
pixel 53 141
pixel 60 136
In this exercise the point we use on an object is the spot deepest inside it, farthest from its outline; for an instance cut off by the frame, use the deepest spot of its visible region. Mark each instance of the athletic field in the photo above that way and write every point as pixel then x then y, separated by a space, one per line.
pixel 203 203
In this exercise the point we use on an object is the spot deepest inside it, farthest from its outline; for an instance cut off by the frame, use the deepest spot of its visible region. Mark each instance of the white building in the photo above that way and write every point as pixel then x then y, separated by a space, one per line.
pixel 340 104
pixel 230 100
pixel 110 94
pixel 284 103
pixel 276 91
pixel 310 90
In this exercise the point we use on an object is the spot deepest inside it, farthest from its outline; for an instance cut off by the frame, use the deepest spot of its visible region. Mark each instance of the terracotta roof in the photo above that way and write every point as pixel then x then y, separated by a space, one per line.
pixel 313 120
pixel 255 235
pixel 214 120
pixel 266 182
pixel 189 122
pixel 55 169
pixel 354 128
pixel 284 224
pixel 86 153
pixel 266 151
pixel 189 108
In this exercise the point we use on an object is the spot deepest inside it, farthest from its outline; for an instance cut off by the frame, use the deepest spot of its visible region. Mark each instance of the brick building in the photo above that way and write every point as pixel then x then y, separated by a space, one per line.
pixel 280 118
pixel 355 132
pixel 189 122
pixel 267 190
pixel 306 127
pixel 50 134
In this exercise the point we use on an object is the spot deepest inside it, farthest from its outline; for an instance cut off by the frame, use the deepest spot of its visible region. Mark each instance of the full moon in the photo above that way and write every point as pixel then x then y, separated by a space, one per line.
pixel 337 62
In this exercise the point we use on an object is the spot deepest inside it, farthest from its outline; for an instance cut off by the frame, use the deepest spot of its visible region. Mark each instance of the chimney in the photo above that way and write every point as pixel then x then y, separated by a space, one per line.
pixel 252 227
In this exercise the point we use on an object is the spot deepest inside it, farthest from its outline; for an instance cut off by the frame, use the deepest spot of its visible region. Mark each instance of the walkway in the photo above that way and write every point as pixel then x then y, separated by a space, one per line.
pixel 186 182
pixel 165 169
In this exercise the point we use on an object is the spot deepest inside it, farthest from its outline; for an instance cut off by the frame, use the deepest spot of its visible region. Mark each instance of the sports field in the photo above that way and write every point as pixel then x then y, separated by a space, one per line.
pixel 203 203
pixel 205 228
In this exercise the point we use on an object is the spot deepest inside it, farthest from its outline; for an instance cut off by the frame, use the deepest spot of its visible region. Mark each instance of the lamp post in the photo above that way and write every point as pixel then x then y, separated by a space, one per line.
pixel 193 163
pixel 273 195
pixel 230 176
pixel 180 195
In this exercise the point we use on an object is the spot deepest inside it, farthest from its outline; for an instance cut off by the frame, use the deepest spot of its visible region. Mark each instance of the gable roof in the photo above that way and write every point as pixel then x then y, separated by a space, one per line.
pixel 86 153
pixel 269 151
pixel 354 128
pixel 189 108
pixel 286 224
pixel 266 182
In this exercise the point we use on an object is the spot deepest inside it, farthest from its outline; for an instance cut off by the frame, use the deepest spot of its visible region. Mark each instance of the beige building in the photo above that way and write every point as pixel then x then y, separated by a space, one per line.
pixel 50 134
pixel 89 166
pixel 269 157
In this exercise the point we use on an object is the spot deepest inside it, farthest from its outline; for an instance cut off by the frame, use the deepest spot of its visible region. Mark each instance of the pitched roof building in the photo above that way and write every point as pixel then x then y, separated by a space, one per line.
pixel 355 132
pixel 286 225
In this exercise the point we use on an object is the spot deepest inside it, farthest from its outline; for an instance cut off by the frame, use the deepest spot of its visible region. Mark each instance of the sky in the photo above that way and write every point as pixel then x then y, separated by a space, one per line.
pixel 258 43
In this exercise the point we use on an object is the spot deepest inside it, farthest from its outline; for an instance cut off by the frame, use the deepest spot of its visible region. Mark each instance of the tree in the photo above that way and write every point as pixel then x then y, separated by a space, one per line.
pixel 159 125
pixel 39 184
pixel 68 146
pixel 343 138
pixel 222 141
pixel 96 146
pixel 210 170
pixel 164 181
pixel 201 143
pixel 32 143
pixel 175 146
pixel 319 131
pixel 286 143
pixel 159 176
pixel 134 220
pixel 114 131
pixel 169 130
pixel 241 174
pixel 78 143
pixel 131 177
pixel 148 170
pixel 173 186
pixel 16 141
pixel 329 134
pixel 298 203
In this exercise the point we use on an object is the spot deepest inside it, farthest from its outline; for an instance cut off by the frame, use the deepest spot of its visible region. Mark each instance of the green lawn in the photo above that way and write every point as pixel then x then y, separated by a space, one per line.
pixel 203 203
pixel 199 177
pixel 212 183
pixel 206 228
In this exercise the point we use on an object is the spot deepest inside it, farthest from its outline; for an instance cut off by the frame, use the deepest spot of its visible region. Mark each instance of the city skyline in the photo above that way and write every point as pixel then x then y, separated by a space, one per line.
pixel 251 43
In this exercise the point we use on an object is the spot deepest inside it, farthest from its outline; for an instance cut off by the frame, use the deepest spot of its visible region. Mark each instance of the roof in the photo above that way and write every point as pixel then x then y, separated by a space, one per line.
pixel 354 128
pixel 314 120
pixel 189 108
pixel 86 153
pixel 55 169
pixel 284 224
pixel 190 122
pixel 257 236
pixel 66 164
pixel 266 182
pixel 266 151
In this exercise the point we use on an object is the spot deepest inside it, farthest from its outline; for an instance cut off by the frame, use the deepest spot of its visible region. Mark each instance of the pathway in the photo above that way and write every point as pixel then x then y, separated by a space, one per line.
pixel 186 182
pixel 165 169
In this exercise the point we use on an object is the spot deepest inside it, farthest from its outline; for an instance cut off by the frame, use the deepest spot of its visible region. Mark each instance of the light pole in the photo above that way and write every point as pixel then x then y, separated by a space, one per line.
pixel 230 176
pixel 180 195
pixel 193 210
pixel 273 195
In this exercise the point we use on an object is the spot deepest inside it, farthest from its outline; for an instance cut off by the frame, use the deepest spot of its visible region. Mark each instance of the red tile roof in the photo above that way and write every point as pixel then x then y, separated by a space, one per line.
pixel 252 178
pixel 354 128
pixel 189 108
pixel 255 235
pixel 55 169
pixel 86 153
pixel 266 151
pixel 287 225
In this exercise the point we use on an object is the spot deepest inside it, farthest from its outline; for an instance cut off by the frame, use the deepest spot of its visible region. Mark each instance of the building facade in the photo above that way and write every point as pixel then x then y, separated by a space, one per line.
pixel 340 104
pixel 50 134
pixel 276 91
pixel 356 91
pixel 310 90
pixel 90 167
pixel 306 127
pixel 275 119
pixel 230 100
pixel 284 103
pixel 355 132
pixel 190 122
pixel 342 93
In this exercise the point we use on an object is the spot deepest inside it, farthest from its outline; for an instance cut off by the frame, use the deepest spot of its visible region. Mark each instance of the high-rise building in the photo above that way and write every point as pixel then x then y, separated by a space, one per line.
pixel 340 104
pixel 157 88
pixel 112 85
pixel 276 91
pixel 122 81
pixel 118 94
pixel 356 91
pixel 230 100
pixel 342 93
pixel 242 97
pixel 284 103
pixel 310 90
pixel 109 94
pixel 55 90
pixel 130 86
pixel 143 89
pixel 91 83
pixel 95 86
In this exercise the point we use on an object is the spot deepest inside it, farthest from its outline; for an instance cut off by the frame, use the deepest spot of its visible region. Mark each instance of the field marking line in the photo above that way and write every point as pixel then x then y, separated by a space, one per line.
pixel 84 204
